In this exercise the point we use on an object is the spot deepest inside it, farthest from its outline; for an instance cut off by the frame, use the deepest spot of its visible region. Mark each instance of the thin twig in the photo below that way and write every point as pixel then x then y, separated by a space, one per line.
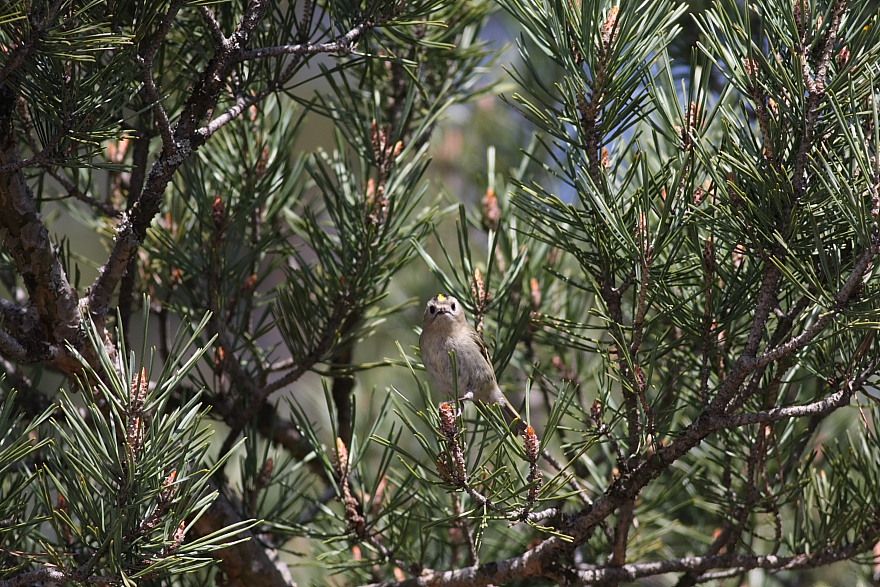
pixel 213 26
pixel 341 390
pixel 702 563
pixel 241 104
pixel 150 90
pixel 74 192
pixel 152 95
pixel 342 44
pixel 841 300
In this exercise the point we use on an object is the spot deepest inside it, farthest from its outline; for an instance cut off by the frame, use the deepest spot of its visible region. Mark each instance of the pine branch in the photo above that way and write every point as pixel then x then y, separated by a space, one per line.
pixel 153 96
pixel 342 44
pixel 181 141
pixel 11 348
pixel 242 103
pixel 739 563
pixel 841 299
pixel 821 407
pixel 530 565
pixel 50 576
pixel 341 391
pixel 248 562
pixel 815 86
pixel 540 559
pixel 213 26
pixel 27 240
pixel 20 54
pixel 184 142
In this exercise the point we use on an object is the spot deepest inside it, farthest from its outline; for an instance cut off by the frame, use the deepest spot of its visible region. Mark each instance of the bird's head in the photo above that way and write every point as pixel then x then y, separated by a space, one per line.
pixel 442 310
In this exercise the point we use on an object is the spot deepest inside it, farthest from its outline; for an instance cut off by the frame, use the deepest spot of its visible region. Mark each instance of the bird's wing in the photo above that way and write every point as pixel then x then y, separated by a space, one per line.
pixel 483 349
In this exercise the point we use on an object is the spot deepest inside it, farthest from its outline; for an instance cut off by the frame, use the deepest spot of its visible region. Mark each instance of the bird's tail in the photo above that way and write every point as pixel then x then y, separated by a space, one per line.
pixel 514 420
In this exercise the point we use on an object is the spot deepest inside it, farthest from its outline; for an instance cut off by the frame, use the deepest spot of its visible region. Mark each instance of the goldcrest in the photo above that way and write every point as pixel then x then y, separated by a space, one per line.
pixel 445 332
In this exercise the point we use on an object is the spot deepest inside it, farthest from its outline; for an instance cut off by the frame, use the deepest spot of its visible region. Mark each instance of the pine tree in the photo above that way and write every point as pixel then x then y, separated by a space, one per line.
pixel 671 261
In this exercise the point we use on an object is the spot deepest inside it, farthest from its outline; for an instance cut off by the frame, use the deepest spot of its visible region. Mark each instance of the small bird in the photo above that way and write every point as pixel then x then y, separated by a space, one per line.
pixel 445 331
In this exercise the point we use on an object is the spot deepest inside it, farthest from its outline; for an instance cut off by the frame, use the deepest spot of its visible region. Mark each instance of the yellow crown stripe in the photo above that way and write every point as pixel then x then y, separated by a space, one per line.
pixel 441 298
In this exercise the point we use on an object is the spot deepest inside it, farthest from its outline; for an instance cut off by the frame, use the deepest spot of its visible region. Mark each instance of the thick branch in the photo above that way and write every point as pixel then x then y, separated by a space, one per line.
pixel 246 563
pixel 27 241
pixel 527 566
pixel 22 323
pixel 11 348
pixel 131 232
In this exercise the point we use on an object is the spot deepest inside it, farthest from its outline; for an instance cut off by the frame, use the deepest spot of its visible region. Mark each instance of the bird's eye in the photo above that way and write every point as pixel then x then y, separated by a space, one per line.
pixel 453 306
pixel 432 309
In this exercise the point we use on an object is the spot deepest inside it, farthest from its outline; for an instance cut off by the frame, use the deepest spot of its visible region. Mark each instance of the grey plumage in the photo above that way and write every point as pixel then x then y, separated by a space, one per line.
pixel 445 330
